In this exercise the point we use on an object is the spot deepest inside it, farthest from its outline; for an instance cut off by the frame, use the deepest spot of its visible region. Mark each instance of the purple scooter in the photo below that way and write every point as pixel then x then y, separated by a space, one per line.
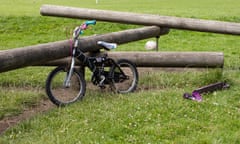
pixel 196 94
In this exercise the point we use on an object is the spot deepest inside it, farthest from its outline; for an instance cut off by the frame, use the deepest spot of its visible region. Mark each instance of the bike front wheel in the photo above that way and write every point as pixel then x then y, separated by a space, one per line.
pixel 124 76
pixel 59 93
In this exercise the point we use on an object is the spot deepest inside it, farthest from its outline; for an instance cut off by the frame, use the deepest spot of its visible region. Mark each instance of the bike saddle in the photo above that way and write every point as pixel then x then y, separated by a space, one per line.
pixel 106 45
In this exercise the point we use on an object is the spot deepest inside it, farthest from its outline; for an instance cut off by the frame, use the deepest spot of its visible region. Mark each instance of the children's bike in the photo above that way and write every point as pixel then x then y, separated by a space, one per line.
pixel 66 84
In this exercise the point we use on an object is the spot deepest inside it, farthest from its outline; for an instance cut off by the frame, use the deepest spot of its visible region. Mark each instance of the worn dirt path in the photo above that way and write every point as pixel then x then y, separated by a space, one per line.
pixel 43 106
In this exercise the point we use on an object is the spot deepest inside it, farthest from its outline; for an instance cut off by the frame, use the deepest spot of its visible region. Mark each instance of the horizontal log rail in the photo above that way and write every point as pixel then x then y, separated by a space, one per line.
pixel 161 59
pixel 142 19
pixel 37 54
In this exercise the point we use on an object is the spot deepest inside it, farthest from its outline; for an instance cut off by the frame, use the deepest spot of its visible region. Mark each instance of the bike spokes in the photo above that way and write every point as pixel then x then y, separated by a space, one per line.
pixel 125 77
pixel 59 93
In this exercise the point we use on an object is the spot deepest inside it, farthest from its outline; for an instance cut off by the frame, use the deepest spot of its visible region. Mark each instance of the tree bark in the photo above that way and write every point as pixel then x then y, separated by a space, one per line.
pixel 33 55
pixel 162 59
pixel 142 19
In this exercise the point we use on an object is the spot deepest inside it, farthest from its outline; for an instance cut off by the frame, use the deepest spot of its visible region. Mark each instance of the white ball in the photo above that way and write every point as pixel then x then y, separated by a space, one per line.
pixel 150 45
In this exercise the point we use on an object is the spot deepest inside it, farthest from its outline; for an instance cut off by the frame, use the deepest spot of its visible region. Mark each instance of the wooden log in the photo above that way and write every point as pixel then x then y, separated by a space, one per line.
pixel 142 19
pixel 32 55
pixel 162 59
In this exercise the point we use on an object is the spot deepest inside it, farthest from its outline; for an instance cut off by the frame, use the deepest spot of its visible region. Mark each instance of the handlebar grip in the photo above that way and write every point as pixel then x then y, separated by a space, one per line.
pixel 91 22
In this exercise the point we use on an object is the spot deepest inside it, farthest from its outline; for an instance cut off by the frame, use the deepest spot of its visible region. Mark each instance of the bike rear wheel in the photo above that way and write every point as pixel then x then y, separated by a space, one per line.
pixel 124 76
pixel 60 94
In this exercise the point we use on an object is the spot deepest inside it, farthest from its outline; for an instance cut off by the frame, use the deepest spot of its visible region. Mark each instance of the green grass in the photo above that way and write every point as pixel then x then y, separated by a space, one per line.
pixel 156 113
pixel 14 100
pixel 144 117
pixel 213 9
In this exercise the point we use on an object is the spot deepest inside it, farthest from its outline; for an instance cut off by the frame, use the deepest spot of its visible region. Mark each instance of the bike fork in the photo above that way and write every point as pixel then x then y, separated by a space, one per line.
pixel 69 74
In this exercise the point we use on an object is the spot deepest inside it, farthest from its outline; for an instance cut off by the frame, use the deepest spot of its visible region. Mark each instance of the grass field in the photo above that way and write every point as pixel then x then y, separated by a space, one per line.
pixel 156 113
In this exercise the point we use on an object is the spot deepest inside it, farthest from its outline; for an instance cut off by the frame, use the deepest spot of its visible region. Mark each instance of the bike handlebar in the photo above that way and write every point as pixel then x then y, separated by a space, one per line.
pixel 85 25
pixel 91 22
pixel 79 30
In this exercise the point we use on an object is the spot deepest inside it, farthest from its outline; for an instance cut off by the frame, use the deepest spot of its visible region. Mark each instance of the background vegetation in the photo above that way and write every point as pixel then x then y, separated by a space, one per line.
pixel 156 113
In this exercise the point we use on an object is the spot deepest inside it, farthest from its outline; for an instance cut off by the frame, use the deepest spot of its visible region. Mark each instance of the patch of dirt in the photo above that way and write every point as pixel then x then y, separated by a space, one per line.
pixel 41 107
pixel 45 104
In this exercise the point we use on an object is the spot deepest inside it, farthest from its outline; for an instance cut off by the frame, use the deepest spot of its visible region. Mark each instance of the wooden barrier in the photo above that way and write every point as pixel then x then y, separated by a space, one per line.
pixel 162 59
pixel 33 55
pixel 142 19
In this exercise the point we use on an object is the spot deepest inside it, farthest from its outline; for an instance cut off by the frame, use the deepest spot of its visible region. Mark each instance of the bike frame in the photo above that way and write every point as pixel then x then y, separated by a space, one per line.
pixel 87 61
pixel 77 32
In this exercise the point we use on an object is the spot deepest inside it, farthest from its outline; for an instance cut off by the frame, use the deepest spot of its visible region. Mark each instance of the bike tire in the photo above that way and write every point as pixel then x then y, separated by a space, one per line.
pixel 129 69
pixel 61 95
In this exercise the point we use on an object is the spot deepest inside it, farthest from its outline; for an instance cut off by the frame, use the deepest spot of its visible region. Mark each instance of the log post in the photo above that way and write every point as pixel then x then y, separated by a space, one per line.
pixel 162 59
pixel 142 19
pixel 32 55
